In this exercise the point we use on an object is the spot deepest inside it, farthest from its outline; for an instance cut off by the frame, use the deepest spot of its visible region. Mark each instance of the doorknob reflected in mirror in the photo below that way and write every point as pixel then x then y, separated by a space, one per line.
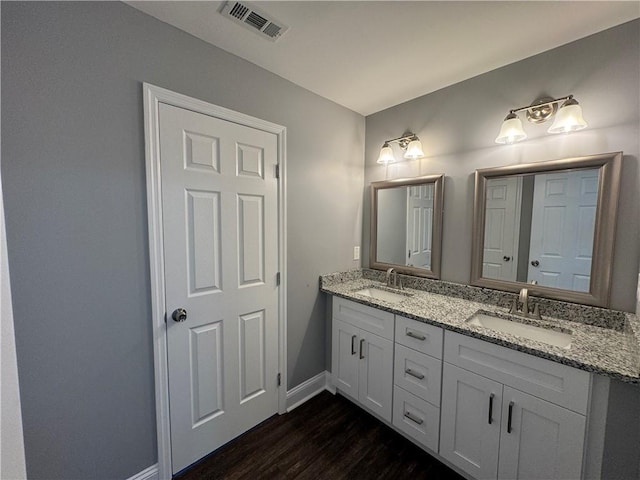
pixel 535 263
pixel 179 315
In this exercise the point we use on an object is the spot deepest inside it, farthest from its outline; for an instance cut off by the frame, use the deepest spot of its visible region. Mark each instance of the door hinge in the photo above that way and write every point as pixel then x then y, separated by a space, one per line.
pixel 277 170
pixel 279 379
pixel 278 279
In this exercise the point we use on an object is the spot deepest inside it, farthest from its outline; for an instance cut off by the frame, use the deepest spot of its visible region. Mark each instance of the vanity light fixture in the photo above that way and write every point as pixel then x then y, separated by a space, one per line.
pixel 408 142
pixel 568 118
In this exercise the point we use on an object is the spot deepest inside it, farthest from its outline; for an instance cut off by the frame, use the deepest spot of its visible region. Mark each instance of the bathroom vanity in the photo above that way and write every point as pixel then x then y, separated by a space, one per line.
pixel 491 402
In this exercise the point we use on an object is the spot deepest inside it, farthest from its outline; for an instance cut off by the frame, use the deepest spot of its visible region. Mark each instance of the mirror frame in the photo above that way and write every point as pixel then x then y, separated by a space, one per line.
pixel 609 165
pixel 436 241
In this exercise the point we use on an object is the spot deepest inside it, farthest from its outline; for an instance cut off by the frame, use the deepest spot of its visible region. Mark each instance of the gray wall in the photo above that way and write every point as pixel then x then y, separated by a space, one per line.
pixel 74 189
pixel 458 125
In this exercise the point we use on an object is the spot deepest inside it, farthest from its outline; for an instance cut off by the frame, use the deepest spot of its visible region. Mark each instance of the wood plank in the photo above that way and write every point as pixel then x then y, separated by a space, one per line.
pixel 327 437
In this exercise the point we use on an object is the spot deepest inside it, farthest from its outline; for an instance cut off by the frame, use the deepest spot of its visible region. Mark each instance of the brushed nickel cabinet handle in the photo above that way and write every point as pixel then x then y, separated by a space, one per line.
pixel 417 375
pixel 510 417
pixel 491 397
pixel 419 421
pixel 416 335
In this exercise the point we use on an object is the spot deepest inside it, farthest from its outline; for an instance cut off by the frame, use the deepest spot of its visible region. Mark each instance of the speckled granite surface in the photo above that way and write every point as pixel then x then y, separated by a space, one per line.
pixel 604 341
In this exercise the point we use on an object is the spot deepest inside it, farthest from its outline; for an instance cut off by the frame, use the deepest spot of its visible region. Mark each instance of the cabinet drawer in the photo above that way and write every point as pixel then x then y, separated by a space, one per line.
pixel 557 383
pixel 367 318
pixel 417 418
pixel 418 373
pixel 420 336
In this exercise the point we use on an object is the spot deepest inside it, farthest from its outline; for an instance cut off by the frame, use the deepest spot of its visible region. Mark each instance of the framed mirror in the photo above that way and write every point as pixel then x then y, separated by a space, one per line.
pixel 548 226
pixel 406 225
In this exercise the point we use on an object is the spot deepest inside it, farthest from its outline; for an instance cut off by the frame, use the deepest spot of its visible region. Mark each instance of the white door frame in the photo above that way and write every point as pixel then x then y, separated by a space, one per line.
pixel 153 96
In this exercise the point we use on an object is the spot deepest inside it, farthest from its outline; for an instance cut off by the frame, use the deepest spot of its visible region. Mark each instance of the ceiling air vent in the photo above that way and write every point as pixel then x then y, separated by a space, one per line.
pixel 254 19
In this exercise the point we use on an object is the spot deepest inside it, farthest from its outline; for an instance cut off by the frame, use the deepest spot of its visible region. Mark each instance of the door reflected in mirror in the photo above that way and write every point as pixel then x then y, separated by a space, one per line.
pixel 548 226
pixel 406 225
pixel 540 228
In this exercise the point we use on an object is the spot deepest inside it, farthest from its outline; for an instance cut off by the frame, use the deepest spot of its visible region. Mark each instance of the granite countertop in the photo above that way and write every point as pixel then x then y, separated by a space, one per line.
pixel 607 344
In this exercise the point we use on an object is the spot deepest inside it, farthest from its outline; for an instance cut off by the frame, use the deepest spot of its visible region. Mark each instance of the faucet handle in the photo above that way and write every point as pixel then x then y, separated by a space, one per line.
pixel 536 312
pixel 514 306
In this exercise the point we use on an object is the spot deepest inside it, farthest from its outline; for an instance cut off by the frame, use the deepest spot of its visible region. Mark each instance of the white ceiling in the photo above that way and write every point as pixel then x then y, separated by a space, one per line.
pixel 371 55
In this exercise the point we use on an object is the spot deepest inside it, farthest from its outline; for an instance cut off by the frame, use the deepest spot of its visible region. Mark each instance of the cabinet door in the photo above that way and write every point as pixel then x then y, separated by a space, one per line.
pixel 344 357
pixel 470 421
pixel 543 441
pixel 376 373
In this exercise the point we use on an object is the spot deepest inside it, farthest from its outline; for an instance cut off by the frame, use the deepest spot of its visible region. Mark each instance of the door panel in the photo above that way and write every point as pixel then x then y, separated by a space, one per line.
pixel 562 227
pixel 546 441
pixel 345 359
pixel 502 223
pixel 252 355
pixel 204 241
pixel 205 343
pixel 250 239
pixel 219 208
pixel 467 438
pixel 376 374
pixel 419 225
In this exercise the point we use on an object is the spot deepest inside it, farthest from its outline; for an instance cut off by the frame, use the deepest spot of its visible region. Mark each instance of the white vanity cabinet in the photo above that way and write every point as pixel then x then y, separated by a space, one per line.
pixel 417 380
pixel 362 355
pixel 509 415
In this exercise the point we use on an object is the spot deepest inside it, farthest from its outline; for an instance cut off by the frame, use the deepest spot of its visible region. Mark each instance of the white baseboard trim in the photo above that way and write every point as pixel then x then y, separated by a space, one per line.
pixel 307 390
pixel 150 473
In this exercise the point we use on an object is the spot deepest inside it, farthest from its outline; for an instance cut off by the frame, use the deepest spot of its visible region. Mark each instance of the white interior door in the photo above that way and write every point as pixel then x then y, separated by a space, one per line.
pixel 219 203
pixel 562 227
pixel 501 230
pixel 419 225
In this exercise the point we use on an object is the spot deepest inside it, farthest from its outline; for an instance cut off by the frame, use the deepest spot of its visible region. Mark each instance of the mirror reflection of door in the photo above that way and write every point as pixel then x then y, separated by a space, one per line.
pixel 419 225
pixel 541 228
pixel 502 224
pixel 562 229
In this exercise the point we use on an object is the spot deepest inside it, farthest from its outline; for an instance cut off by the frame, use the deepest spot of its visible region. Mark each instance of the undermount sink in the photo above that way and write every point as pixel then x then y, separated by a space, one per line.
pixel 549 336
pixel 384 295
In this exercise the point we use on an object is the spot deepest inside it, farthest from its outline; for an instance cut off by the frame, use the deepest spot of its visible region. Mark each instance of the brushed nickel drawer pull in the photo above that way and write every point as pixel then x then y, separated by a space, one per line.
pixel 416 336
pixel 419 376
pixel 419 421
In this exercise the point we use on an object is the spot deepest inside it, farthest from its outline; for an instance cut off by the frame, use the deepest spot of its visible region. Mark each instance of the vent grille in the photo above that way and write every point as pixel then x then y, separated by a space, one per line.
pixel 238 11
pixel 272 30
pixel 254 19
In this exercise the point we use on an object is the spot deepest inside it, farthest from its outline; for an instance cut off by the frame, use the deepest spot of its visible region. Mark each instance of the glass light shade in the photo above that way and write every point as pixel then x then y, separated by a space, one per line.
pixel 414 150
pixel 511 130
pixel 386 155
pixel 568 119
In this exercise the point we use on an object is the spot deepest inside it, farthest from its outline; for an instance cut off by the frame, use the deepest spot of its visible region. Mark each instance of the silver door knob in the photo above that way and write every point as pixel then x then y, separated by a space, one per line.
pixel 179 315
pixel 535 263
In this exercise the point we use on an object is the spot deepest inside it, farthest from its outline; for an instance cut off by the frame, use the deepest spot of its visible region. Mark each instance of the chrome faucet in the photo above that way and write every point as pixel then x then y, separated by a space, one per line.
pixel 523 298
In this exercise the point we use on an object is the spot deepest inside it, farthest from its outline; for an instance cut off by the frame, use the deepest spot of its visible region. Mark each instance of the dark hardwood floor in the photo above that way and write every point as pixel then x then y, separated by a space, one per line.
pixel 327 437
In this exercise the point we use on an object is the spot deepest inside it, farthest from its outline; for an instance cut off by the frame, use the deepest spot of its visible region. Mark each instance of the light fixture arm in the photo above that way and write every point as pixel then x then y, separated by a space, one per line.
pixel 404 140
pixel 541 104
